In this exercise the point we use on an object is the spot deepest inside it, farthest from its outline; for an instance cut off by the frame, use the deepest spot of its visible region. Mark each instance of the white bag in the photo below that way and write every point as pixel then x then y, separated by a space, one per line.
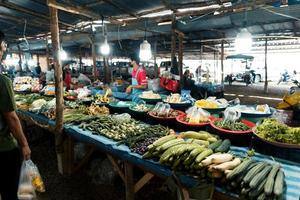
pixel 153 84
pixel 26 190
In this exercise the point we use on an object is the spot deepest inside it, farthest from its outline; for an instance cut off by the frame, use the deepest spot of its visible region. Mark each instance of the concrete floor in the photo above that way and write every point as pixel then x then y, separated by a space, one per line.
pixel 255 93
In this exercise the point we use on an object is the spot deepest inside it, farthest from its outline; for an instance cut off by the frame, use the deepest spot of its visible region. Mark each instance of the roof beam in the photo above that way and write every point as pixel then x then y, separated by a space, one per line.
pixel 168 5
pixel 95 3
pixel 29 12
pixel 78 10
pixel 121 8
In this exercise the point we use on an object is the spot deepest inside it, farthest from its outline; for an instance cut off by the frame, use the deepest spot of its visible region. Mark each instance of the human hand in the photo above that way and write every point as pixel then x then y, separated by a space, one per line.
pixel 26 152
pixel 128 89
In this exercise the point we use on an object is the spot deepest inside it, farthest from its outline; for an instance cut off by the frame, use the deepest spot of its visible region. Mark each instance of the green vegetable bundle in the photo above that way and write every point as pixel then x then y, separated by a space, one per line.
pixel 232 126
pixel 272 130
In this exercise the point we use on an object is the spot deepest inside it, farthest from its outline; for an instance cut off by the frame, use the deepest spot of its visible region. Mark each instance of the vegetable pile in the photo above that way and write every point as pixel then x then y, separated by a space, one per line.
pixel 232 126
pixel 256 180
pixel 166 114
pixel 141 107
pixel 186 151
pixel 272 130
pixel 139 143
pixel 109 127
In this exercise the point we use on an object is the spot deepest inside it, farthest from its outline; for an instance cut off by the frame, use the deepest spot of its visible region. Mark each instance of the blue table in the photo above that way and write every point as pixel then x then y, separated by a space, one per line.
pixel 122 152
pixel 291 170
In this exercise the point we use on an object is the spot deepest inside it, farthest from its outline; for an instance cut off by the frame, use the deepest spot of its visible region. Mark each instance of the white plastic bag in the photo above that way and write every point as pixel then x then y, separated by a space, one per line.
pixel 30 181
pixel 26 190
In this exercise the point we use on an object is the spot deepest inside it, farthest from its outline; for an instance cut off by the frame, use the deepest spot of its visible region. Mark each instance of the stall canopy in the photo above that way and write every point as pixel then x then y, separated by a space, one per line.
pixel 26 22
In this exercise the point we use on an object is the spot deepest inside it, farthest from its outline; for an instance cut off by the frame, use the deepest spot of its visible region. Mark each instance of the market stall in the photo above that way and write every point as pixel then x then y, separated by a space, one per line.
pixel 117 136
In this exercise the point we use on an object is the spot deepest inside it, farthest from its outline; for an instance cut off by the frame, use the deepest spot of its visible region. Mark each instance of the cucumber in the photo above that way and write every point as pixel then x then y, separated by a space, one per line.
pixel 169 152
pixel 196 135
pixel 169 144
pixel 260 177
pixel 224 147
pixel 262 196
pixel 215 145
pixel 163 140
pixel 259 188
pixel 186 148
pixel 179 160
pixel 200 142
pixel 255 170
pixel 176 163
pixel 279 183
pixel 203 155
pixel 245 191
pixel 271 180
pixel 212 139
pixel 148 155
pixel 194 153
pixel 239 169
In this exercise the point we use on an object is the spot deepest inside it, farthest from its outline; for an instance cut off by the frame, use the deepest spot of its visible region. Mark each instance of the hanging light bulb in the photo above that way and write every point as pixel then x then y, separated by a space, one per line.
pixel 63 55
pixel 243 41
pixel 104 48
pixel 145 51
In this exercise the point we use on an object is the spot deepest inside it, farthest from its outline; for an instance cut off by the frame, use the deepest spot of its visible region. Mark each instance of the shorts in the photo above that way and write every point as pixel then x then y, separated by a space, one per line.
pixel 9 174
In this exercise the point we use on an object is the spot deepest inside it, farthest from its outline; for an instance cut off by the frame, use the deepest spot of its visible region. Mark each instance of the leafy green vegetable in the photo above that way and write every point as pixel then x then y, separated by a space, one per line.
pixel 232 126
pixel 273 130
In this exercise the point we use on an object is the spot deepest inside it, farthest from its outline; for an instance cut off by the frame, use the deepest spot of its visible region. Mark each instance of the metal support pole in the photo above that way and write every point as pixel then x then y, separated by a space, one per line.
pixel 47 56
pixel 222 62
pixel 180 60
pixel 20 58
pixel 155 64
pixel 266 66
pixel 173 42
pixel 80 60
pixel 94 58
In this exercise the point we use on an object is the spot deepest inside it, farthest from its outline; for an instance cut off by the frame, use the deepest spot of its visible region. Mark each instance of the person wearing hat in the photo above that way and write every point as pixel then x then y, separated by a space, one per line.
pixel 12 138
pixel 139 79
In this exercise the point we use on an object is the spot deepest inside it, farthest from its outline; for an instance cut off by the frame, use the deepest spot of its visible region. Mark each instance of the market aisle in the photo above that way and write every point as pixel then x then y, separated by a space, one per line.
pixel 79 185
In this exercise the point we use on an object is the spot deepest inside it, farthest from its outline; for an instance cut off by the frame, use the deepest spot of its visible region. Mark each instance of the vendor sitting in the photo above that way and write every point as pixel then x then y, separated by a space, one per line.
pixel 138 81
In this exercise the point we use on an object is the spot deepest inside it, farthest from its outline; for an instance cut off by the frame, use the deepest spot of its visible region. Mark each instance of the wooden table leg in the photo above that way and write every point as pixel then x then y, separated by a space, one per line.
pixel 186 195
pixel 129 181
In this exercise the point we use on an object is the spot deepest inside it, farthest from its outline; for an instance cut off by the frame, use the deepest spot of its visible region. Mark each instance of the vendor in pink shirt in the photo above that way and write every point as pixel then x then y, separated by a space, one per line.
pixel 138 81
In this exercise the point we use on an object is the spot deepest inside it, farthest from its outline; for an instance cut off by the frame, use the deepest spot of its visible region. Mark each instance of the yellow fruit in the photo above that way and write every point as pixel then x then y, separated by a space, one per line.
pixel 206 104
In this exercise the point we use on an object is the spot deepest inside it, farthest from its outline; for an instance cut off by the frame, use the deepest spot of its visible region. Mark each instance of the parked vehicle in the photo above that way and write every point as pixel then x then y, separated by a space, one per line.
pixel 296 87
pixel 284 77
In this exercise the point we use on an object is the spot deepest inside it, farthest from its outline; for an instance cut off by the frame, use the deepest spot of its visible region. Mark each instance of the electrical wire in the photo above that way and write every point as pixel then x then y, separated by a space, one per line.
pixel 119 40
pixel 24 34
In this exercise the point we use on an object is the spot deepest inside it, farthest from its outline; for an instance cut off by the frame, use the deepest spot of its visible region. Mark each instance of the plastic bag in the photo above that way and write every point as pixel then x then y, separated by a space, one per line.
pixel 30 181
pixel 232 114
pixel 153 84
pixel 26 190
pixel 197 115
pixel 122 118
pixel 102 172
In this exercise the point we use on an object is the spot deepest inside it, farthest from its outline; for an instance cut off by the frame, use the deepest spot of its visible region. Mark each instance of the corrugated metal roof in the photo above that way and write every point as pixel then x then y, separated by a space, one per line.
pixel 258 21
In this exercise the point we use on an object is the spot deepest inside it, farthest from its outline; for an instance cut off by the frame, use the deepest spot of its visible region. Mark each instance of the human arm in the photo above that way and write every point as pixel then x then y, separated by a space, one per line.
pixel 15 127
pixel 7 109
pixel 142 82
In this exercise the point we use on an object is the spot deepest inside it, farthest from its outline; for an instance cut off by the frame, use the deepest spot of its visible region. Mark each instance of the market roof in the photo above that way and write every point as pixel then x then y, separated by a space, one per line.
pixel 127 20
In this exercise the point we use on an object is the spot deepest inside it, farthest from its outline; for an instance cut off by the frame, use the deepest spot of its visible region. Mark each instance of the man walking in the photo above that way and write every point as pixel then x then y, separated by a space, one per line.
pixel 12 137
